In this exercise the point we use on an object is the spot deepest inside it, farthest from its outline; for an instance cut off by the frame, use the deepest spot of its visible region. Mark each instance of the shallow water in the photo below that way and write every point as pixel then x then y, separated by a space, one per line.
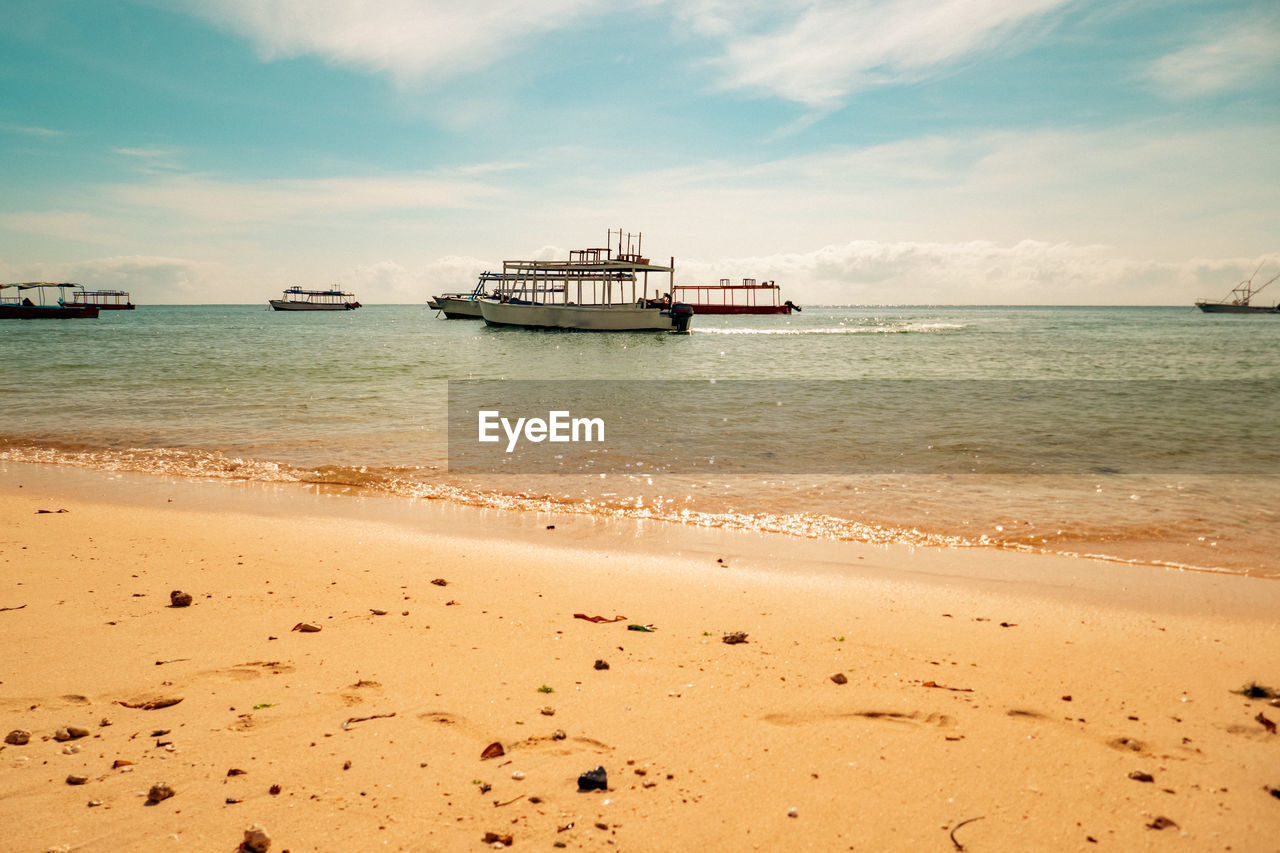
pixel 1154 443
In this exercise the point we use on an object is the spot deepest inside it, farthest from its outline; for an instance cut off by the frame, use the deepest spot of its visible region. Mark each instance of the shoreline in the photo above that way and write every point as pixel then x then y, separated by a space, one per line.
pixel 958 665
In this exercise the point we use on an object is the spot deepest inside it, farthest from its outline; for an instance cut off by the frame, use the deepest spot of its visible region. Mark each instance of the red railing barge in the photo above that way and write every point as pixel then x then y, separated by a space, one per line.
pixel 725 298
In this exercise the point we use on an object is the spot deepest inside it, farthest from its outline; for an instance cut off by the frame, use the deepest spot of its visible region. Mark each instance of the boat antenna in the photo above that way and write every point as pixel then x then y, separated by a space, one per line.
pixel 1268 281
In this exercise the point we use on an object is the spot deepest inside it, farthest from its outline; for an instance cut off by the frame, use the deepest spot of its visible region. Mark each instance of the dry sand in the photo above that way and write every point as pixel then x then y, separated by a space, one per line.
pixel 994 701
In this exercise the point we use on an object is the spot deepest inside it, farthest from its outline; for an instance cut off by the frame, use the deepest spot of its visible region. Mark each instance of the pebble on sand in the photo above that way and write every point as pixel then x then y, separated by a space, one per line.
pixel 18 737
pixel 178 598
pixel 256 840
pixel 70 733
pixel 159 791
pixel 594 780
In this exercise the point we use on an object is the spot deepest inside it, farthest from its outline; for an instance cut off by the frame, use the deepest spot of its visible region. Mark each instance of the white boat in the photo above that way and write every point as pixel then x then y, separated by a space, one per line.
pixel 466 306
pixel 596 290
pixel 297 299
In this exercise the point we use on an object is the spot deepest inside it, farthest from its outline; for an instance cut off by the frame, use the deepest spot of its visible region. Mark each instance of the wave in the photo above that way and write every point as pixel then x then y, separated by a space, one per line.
pixel 430 483
pixel 903 329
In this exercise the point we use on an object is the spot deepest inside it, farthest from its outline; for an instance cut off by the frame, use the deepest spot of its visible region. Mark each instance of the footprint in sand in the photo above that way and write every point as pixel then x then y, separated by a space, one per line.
pixel 910 719
pixel 251 670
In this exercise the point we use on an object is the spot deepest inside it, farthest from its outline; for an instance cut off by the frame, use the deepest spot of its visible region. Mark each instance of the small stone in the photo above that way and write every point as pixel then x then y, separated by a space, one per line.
pixel 440 582
pixel 306 627
pixel 256 840
pixel 75 779
pixel 1139 776
pixel 558 734
pixel 547 711
pixel 594 780
pixel 178 598
pixel 377 612
pixel 70 733
pixel 497 840
pixel 734 637
pixel 93 803
pixel 518 775
pixel 601 664
pixel 104 722
pixel 1162 823
pixel 840 678
pixel 159 791
pixel 792 812
pixel 71 749
pixel 18 737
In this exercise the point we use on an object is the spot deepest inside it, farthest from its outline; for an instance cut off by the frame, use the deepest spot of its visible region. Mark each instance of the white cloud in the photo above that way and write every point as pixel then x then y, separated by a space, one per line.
pixel 207 198
pixel 30 130
pixel 979 272
pixel 408 39
pixel 153 158
pixel 1234 54
pixel 149 279
pixel 808 51
pixel 66 226
pixel 821 52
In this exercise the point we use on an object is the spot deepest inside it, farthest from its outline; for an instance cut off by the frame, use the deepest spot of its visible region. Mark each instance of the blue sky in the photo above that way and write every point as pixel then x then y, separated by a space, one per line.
pixel 922 151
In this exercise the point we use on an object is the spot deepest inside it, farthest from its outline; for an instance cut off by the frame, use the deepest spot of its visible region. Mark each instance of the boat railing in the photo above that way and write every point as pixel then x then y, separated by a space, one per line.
pixel 317 295
pixel 100 297
pixel 749 291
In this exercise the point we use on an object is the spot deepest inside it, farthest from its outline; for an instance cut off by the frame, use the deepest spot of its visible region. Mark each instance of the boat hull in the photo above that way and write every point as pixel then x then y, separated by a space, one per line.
pixel 47 312
pixel 1231 308
pixel 459 307
pixel 587 318
pixel 289 305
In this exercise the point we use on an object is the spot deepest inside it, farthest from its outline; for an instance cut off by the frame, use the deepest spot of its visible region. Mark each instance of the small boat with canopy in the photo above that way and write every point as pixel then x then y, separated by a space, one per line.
pixel 34 300
pixel 297 299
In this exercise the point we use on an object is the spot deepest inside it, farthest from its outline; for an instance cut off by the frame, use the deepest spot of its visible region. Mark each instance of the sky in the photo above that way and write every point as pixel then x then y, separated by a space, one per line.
pixel 1069 152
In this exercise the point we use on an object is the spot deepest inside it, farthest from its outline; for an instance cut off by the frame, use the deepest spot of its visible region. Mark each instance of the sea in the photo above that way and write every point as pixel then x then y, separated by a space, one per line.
pixel 1138 435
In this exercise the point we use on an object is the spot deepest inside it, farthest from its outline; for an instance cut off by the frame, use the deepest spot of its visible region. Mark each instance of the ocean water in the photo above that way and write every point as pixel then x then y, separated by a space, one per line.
pixel 1148 435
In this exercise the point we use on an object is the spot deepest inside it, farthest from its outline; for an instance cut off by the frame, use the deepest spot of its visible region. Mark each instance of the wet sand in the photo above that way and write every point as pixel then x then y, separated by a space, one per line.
pixel 994 701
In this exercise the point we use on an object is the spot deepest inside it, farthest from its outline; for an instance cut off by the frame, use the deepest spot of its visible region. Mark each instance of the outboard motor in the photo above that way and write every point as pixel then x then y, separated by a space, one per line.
pixel 681 314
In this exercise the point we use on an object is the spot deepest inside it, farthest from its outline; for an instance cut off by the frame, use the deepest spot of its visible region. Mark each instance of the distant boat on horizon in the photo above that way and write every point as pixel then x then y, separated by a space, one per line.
pixel 1240 299
pixel 297 299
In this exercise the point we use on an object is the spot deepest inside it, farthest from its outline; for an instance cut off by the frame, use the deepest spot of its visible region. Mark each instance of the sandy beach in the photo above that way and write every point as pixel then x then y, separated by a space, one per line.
pixel 987 701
